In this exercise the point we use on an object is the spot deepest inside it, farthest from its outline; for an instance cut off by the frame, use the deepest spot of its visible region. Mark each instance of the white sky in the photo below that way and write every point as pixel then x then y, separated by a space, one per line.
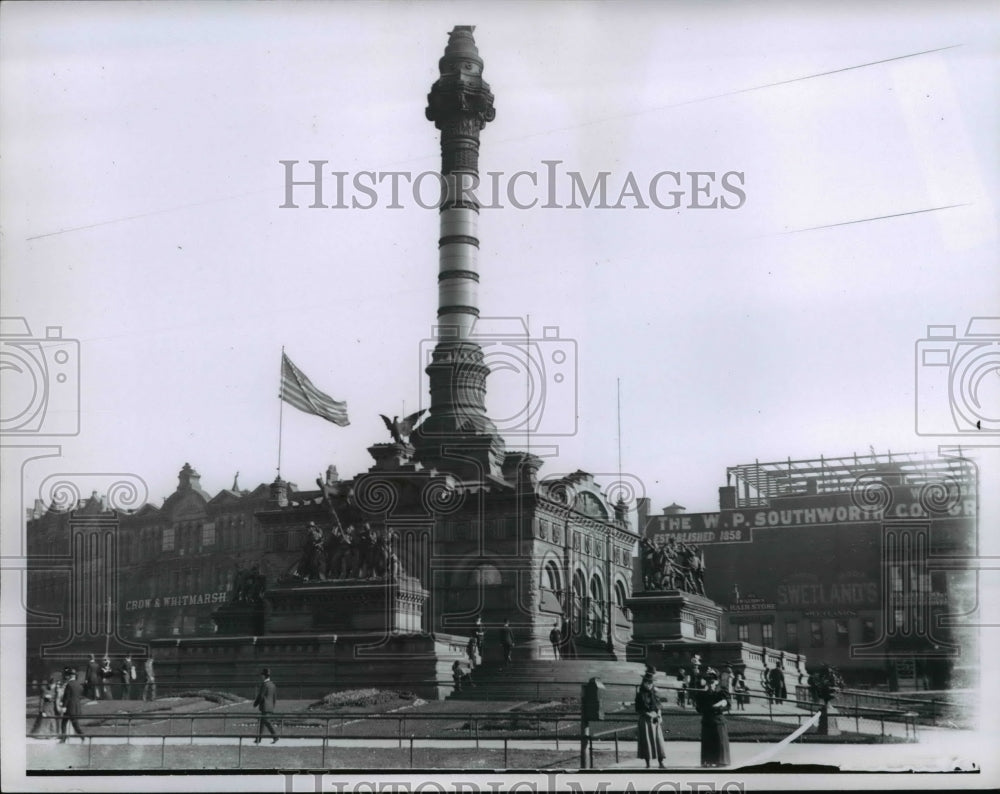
pixel 140 213
pixel 141 186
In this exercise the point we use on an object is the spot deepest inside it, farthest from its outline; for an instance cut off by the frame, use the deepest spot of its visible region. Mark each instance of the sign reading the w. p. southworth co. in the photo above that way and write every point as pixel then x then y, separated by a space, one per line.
pixel 734 526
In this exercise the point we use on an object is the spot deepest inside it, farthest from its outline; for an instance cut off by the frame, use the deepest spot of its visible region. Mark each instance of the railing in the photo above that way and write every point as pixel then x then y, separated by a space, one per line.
pixel 540 724
pixel 482 731
pixel 618 695
pixel 931 708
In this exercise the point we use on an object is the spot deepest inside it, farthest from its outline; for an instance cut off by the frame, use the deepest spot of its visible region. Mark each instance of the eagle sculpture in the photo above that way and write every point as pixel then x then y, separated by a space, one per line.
pixel 401 430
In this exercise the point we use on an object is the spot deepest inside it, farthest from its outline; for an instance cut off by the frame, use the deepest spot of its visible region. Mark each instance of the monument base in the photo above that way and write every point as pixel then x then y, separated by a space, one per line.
pixel 317 637
pixel 671 626
pixel 345 606
pixel 674 616
pixel 308 666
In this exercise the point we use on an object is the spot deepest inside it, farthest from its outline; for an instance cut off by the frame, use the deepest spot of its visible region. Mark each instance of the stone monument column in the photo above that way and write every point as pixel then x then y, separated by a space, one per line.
pixel 457 435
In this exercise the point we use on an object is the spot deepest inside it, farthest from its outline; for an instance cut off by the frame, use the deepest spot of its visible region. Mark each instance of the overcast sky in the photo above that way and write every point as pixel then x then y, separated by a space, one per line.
pixel 141 213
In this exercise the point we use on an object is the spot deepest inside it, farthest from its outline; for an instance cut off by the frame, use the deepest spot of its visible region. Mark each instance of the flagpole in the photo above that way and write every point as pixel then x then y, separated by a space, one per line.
pixel 619 391
pixel 527 379
pixel 281 405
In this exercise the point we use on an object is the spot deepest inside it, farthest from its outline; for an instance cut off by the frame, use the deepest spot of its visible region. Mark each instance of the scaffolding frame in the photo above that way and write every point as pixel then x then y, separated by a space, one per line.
pixel 758 483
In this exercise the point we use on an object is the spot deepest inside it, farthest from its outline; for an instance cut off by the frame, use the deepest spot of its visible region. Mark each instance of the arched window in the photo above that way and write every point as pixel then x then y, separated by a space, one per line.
pixel 620 594
pixel 595 611
pixel 551 577
pixel 579 603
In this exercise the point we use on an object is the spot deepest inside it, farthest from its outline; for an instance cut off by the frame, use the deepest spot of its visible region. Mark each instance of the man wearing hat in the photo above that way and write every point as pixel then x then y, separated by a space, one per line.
pixel 647 706
pixel 267 697
pixel 72 699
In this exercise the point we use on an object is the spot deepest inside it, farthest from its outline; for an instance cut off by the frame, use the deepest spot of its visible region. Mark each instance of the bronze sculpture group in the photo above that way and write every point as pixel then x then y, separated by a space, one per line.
pixel 248 586
pixel 348 554
pixel 674 565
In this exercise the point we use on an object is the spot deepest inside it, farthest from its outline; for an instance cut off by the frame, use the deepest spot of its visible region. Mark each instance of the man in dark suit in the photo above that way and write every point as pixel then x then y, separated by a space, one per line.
pixel 126 674
pixel 72 700
pixel 555 637
pixel 507 640
pixel 93 686
pixel 267 698
pixel 777 680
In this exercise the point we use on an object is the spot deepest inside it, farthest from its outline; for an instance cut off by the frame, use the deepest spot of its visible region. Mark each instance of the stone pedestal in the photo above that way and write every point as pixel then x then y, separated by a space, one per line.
pixel 827 721
pixel 240 619
pixel 674 616
pixel 346 607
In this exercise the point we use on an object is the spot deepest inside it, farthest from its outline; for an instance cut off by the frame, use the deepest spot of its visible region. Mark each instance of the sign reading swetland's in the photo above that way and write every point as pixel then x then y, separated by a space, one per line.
pixel 733 526
pixel 191 599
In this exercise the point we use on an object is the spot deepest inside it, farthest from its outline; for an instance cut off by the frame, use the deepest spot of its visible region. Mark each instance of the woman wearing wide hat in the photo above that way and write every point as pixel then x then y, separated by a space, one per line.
pixel 647 706
pixel 712 703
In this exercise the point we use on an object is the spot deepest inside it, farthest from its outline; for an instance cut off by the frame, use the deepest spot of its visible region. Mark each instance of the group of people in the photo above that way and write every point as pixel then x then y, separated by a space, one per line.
pixel 59 706
pixel 709 700
pixel 476 645
pixel 106 682
pixel 732 682
pixel 772 680
pixel 60 697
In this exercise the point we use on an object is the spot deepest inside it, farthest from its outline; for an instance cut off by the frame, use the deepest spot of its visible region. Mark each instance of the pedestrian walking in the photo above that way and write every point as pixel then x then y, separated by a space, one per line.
pixel 106 674
pixel 93 679
pixel 266 700
pixel 46 709
pixel 149 689
pixel 479 633
pixel 57 701
pixel 712 703
pixel 726 679
pixel 683 682
pixel 740 694
pixel 126 675
pixel 555 637
pixel 72 700
pixel 647 706
pixel 765 681
pixel 776 679
pixel 507 640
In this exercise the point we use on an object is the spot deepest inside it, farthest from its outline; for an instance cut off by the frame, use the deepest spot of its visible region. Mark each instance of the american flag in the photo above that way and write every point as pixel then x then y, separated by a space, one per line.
pixel 297 390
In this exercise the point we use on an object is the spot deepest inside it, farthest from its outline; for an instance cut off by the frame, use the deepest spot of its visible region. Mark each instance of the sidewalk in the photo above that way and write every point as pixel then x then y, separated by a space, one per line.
pixel 938 750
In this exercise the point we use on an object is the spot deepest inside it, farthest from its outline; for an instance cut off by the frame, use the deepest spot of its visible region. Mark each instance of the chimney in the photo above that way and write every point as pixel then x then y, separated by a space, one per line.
pixel 727 497
pixel 642 511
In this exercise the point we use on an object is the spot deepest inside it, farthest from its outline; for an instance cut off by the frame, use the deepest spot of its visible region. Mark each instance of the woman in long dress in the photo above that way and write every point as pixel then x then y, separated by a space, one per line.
pixel 712 703
pixel 647 706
